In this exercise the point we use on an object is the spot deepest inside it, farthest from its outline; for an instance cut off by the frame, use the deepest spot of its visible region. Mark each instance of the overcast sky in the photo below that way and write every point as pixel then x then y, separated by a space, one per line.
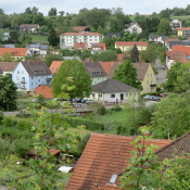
pixel 73 6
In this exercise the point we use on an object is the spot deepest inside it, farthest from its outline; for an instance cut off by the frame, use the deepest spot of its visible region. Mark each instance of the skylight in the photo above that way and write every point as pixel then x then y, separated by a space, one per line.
pixel 113 178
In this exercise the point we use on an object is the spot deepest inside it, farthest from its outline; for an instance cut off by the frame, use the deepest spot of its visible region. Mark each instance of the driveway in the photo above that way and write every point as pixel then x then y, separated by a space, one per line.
pixel 161 76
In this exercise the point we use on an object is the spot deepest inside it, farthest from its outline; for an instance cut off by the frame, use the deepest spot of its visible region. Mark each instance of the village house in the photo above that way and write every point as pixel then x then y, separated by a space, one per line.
pixel 30 74
pixel 68 39
pixel 80 45
pixel 81 29
pixel 8 67
pixel 30 28
pixel 175 23
pixel 145 75
pixel 126 46
pixel 103 161
pixel 113 91
pixel 161 39
pixel 133 28
pixel 96 71
pixel 97 47
pixel 38 49
pixel 17 53
pixel 54 67
pixel 184 31
pixel 44 90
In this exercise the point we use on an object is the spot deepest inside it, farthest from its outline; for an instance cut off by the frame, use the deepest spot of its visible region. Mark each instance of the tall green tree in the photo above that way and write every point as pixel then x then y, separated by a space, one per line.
pixel 52 12
pixel 164 27
pixel 7 57
pixel 52 37
pixel 14 35
pixel 127 74
pixel 134 54
pixel 8 93
pixel 49 58
pixel 178 78
pixel 82 80
pixel 150 54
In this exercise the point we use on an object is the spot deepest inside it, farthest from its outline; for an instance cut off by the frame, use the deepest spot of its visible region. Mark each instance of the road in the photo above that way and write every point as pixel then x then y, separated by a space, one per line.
pixel 161 76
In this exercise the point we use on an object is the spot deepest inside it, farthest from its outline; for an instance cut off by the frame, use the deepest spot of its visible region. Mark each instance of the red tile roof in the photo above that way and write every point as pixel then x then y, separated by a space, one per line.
pixel 80 45
pixel 181 48
pixel 54 67
pixel 14 51
pixel 81 34
pixel 102 46
pixel 104 156
pixel 107 66
pixel 79 28
pixel 184 28
pixel 119 43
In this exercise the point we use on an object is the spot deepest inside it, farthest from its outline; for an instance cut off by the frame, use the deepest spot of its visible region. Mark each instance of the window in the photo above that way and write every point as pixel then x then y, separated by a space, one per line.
pixel 112 95
pixel 147 89
pixel 100 95
pixel 18 72
pixel 17 78
pixel 32 78
pixel 151 81
pixel 151 75
pixel 151 89
pixel 148 82
pixel 148 75
pixel 22 72
pixel 52 69
pixel 42 77
pixel 36 77
pixel 126 94
pixel 93 95
pixel 39 80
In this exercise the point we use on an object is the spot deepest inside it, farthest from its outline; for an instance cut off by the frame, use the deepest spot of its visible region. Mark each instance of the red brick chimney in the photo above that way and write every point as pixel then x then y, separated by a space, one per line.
pixel 38 61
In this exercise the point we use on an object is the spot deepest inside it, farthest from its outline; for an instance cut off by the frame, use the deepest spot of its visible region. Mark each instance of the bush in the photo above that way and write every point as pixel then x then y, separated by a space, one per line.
pixel 23 113
pixel 116 108
pixel 13 123
pixel 1 117
pixel 118 129
pixel 7 122
pixel 24 125
pixel 101 110
pixel 82 144
pixel 158 89
pixel 91 125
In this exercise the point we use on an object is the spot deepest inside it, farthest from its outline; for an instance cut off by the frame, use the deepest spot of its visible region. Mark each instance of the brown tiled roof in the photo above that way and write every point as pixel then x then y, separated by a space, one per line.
pixel 184 28
pixel 14 51
pixel 112 85
pixel 175 148
pixel 119 43
pixel 79 28
pixel 8 66
pixel 107 66
pixel 141 69
pixel 114 66
pixel 181 48
pixel 81 34
pixel 36 68
pixel 54 67
pixel 104 156
pixel 95 68
pixel 102 46
pixel 80 45
pixel 29 25
pixel 180 56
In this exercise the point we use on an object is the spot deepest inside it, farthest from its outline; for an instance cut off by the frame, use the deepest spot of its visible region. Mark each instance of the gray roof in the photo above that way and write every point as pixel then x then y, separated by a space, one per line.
pixel 111 86
pixel 44 47
pixel 34 45
pixel 8 66
pixel 156 37
pixel 70 58
pixel 36 68
pixel 29 25
pixel 9 46
pixel 95 69
pixel 110 35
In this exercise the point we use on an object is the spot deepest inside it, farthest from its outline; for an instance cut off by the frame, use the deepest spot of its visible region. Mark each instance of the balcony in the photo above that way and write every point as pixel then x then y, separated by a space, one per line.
pixel 152 85
pixel 23 81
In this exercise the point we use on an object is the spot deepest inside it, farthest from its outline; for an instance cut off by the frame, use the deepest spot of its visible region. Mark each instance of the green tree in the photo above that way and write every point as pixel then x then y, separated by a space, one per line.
pixel 28 11
pixel 49 58
pixel 150 54
pixel 7 57
pixel 171 117
pixel 164 27
pixel 127 74
pixel 109 42
pixel 8 93
pixel 82 80
pixel 134 54
pixel 14 35
pixel 114 25
pixel 61 13
pixel 52 12
pixel 178 78
pixel 17 20
pixel 52 37
pixel 43 29
pixel 108 55
pixel 34 10
pixel 165 14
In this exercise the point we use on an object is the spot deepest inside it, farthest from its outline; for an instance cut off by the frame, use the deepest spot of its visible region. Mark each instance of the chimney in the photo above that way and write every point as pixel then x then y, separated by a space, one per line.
pixel 38 61
pixel 28 62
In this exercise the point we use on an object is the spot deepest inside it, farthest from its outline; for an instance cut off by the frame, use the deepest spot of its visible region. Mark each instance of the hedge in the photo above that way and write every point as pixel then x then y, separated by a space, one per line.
pixel 90 125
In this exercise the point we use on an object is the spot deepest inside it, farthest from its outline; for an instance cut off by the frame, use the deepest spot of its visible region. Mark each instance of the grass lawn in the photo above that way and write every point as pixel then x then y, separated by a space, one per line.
pixel 39 38
pixel 185 17
pixel 4 30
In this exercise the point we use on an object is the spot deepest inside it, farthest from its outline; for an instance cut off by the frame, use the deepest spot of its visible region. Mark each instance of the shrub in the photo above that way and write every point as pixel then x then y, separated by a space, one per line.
pixel 81 145
pixel 7 122
pixel 101 110
pixel 158 89
pixel 1 117
pixel 13 123
pixel 24 125
pixel 123 130
pixel 91 125
pixel 116 108
pixel 23 113
pixel 118 129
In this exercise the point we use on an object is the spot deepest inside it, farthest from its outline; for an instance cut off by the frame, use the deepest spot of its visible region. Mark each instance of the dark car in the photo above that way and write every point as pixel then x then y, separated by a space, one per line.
pixel 84 100
pixel 78 100
pixel 163 67
pixel 155 98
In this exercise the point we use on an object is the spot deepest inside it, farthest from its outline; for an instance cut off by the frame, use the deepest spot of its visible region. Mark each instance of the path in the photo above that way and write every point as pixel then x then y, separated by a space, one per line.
pixel 161 76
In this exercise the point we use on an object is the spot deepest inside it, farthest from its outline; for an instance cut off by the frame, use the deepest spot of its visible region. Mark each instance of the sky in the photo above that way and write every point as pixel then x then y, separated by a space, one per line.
pixel 73 6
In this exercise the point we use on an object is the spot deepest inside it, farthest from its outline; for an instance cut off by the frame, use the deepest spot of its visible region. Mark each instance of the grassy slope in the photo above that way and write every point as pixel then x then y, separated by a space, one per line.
pixel 39 38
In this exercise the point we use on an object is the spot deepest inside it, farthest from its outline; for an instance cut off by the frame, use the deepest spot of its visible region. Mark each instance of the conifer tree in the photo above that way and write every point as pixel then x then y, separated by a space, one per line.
pixel 134 54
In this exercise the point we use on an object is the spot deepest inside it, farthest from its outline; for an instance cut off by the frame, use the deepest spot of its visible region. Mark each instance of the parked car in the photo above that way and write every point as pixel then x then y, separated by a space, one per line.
pixel 162 95
pixel 155 98
pixel 78 100
pixel 148 97
pixel 89 101
pixel 163 67
pixel 84 100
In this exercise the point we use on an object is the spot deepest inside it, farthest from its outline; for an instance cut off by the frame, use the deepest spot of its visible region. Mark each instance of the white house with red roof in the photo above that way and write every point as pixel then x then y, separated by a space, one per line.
pixel 126 46
pixel 68 39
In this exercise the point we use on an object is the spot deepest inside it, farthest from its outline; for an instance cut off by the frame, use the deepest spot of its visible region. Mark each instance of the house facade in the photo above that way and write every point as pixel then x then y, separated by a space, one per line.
pixel 175 23
pixel 17 53
pixel 184 31
pixel 38 49
pixel 30 28
pixel 133 28
pixel 29 75
pixel 126 46
pixel 113 91
pixel 97 47
pixel 161 39
pixel 80 45
pixel 44 90
pixel 68 39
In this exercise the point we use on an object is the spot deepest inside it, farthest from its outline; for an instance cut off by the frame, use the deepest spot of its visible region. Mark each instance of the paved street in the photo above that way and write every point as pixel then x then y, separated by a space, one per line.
pixel 161 76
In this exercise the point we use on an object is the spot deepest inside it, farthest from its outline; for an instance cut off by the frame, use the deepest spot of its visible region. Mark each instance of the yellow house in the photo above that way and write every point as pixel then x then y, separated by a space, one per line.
pixel 185 31
pixel 126 46
pixel 17 53
pixel 147 77
pixel 145 74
